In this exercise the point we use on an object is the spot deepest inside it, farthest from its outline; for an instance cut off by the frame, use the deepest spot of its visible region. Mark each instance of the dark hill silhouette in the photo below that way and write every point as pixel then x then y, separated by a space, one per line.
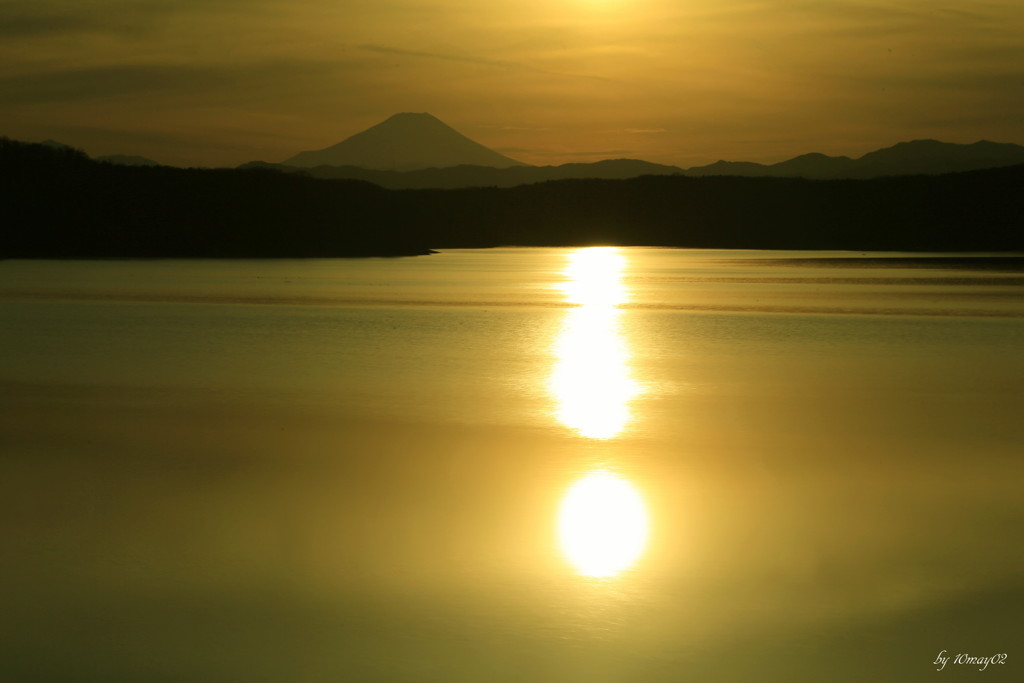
pixel 479 176
pixel 127 160
pixel 58 203
pixel 123 159
pixel 404 142
pixel 904 158
pixel 54 144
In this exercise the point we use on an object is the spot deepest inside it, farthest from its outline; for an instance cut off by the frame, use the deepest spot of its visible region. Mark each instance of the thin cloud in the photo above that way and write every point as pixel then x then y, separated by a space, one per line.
pixel 483 61
pixel 29 19
pixel 16 24
pixel 607 153
pixel 106 82
pixel 101 83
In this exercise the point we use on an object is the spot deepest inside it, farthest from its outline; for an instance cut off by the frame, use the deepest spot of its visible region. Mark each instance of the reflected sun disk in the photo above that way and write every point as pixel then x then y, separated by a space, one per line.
pixel 602 525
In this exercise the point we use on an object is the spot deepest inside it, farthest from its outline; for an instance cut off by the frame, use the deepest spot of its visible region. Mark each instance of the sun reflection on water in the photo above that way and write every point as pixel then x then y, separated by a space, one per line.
pixel 591 379
pixel 594 277
pixel 602 524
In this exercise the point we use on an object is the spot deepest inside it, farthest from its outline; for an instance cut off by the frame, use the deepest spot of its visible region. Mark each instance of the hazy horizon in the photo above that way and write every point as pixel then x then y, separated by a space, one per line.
pixel 222 83
pixel 289 162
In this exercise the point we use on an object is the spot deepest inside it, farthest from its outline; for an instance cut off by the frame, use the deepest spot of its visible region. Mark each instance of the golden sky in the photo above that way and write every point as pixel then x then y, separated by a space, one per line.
pixel 222 82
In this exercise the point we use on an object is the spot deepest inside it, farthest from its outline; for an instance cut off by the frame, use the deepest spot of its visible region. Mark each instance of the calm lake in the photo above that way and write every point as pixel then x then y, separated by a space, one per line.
pixel 602 465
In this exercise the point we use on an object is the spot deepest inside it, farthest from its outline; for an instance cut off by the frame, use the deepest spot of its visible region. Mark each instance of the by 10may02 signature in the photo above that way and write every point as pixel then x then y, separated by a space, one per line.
pixel 964 658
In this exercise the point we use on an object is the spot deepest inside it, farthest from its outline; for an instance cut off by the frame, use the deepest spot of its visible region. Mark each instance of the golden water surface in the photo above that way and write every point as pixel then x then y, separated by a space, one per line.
pixel 600 464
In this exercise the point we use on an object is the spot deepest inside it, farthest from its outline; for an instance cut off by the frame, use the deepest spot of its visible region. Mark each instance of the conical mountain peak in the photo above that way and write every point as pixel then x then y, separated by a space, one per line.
pixel 404 142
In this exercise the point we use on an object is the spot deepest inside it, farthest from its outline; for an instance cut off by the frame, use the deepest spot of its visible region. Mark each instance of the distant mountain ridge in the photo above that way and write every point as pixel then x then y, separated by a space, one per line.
pixel 454 177
pixel 418 151
pixel 928 157
pixel 405 142
pixel 919 157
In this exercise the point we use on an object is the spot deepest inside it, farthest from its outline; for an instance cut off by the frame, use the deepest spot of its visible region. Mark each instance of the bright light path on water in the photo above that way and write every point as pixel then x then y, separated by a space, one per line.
pixel 591 379
pixel 602 524
pixel 594 277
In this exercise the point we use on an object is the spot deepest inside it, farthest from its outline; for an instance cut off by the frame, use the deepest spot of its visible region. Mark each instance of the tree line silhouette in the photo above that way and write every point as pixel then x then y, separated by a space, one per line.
pixel 59 203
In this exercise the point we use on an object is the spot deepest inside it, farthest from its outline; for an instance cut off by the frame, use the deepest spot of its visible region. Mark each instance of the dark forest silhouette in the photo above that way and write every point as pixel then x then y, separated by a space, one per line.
pixel 60 203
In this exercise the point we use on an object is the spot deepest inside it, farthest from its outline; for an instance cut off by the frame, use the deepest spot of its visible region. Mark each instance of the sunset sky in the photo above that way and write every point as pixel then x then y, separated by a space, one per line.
pixel 222 82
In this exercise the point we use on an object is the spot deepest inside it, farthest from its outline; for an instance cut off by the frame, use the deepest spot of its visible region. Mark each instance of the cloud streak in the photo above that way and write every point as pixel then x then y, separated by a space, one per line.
pixel 479 61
